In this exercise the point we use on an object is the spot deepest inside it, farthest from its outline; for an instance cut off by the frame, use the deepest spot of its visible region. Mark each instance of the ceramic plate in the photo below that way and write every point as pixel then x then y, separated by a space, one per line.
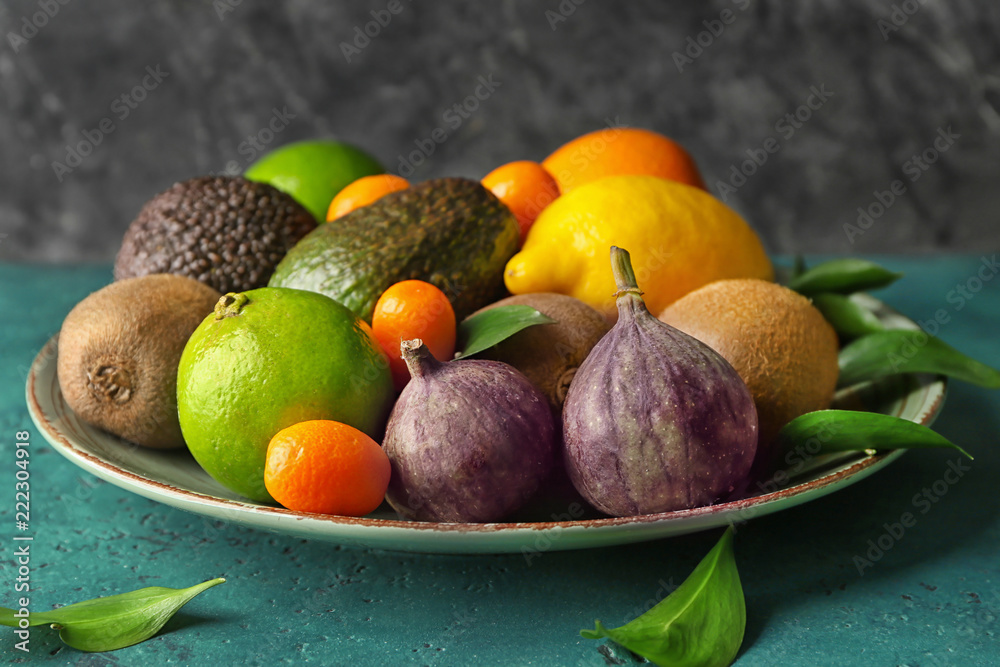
pixel 174 478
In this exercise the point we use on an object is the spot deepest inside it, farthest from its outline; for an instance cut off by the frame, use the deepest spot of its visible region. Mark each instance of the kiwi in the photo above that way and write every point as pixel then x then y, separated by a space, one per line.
pixel 549 354
pixel 779 343
pixel 118 355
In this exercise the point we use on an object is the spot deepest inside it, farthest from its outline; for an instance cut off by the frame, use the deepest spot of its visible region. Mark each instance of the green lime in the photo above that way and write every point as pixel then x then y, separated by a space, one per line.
pixel 269 358
pixel 313 172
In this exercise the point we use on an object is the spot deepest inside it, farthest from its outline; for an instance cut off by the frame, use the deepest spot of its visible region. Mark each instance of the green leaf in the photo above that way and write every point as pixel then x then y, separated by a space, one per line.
pixel 699 624
pixel 116 621
pixel 848 318
pixel 484 330
pixel 799 267
pixel 828 431
pixel 843 276
pixel 885 353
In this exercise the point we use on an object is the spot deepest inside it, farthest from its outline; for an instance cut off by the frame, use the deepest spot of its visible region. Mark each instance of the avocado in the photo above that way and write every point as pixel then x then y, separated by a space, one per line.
pixel 451 232
pixel 223 231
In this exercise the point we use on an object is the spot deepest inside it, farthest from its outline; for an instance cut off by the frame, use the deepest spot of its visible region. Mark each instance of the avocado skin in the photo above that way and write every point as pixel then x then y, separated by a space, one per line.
pixel 451 232
pixel 224 231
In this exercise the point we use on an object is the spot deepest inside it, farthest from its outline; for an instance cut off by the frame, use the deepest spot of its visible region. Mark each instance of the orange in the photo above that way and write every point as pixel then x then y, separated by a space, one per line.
pixel 364 191
pixel 616 151
pixel 326 467
pixel 525 187
pixel 413 309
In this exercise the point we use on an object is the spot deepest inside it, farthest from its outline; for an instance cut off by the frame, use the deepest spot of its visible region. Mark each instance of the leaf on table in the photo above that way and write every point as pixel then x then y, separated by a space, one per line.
pixel 848 318
pixel 886 353
pixel 701 624
pixel 484 330
pixel 828 431
pixel 843 276
pixel 116 621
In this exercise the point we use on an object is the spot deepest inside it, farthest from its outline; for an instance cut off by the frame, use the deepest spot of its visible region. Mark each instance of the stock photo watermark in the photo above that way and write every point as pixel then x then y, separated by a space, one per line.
pixel 695 45
pixel 22 540
pixel 913 169
pixel 958 297
pixel 898 17
pixel 795 461
pixel 453 118
pixel 121 108
pixel 253 145
pixel 565 9
pixel 595 146
pixel 546 538
pixel 786 127
pixel 362 36
pixel 223 7
pixel 922 502
pixel 33 23
pixel 965 292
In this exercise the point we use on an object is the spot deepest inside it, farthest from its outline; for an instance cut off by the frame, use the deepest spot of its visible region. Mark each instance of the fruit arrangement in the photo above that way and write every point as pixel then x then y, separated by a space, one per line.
pixel 328 337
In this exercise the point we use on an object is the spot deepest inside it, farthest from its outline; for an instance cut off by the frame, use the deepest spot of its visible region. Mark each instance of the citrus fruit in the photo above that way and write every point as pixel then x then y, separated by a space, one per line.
pixel 267 359
pixel 413 309
pixel 364 191
pixel 313 172
pixel 682 238
pixel 326 467
pixel 525 187
pixel 617 151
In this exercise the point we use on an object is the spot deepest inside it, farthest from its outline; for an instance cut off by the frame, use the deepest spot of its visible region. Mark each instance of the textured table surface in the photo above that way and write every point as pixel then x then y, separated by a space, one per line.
pixel 933 598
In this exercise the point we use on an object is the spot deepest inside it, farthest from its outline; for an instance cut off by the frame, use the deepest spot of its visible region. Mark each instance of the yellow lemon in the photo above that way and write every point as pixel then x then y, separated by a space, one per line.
pixel 680 238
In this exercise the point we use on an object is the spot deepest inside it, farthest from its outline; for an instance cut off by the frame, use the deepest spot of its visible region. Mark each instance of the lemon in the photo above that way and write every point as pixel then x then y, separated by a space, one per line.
pixel 313 172
pixel 267 359
pixel 680 238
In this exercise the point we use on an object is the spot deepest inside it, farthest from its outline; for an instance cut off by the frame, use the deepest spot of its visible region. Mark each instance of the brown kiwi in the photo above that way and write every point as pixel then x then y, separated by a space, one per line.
pixel 782 347
pixel 549 354
pixel 118 355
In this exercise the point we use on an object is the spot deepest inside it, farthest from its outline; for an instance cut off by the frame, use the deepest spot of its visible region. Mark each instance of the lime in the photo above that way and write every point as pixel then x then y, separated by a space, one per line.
pixel 313 172
pixel 269 358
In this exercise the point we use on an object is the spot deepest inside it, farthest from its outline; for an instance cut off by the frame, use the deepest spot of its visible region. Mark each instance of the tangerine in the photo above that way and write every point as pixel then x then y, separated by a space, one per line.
pixel 617 151
pixel 525 187
pixel 413 309
pixel 326 467
pixel 364 191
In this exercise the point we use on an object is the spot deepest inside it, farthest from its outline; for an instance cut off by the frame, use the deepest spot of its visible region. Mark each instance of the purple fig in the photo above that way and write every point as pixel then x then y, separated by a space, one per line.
pixel 469 440
pixel 655 420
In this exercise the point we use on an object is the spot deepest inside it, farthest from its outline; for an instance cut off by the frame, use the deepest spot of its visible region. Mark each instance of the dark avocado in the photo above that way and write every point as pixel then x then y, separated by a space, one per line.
pixel 451 232
pixel 226 232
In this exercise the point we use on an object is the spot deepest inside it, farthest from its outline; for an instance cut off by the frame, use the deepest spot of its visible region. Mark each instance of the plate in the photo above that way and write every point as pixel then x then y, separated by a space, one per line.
pixel 175 479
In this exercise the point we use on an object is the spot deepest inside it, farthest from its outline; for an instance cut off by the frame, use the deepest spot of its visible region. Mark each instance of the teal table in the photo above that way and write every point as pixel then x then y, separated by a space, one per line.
pixel 932 598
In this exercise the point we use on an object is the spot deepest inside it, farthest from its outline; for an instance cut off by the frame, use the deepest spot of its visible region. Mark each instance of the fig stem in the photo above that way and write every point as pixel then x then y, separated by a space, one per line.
pixel 621 267
pixel 418 358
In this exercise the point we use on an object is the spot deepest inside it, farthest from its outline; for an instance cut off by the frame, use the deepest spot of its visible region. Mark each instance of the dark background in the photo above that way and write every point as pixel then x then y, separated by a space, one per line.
pixel 563 69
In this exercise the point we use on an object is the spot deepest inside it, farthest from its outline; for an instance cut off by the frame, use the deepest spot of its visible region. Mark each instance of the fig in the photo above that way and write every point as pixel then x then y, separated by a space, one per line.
pixel 779 343
pixel 469 440
pixel 655 420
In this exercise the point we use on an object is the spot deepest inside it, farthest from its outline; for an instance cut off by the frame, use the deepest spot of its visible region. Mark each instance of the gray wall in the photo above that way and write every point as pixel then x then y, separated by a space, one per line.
pixel 560 74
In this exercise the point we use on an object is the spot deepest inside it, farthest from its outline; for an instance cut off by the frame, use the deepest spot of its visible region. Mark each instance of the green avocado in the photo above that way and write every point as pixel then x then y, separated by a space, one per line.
pixel 451 232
